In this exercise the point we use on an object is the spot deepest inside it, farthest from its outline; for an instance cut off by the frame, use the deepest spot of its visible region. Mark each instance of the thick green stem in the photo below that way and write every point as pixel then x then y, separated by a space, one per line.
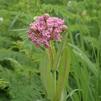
pixel 63 75
pixel 51 53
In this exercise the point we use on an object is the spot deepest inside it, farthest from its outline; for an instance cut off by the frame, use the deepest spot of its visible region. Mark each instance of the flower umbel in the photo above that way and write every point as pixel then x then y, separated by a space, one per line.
pixel 46 28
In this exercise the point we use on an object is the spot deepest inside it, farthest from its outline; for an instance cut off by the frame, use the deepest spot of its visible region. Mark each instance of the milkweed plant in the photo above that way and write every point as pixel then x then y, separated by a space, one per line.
pixel 54 68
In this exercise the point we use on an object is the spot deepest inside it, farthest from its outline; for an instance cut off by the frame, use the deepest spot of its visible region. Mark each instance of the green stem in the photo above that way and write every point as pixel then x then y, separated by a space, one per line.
pixel 51 53
pixel 63 76
pixel 50 56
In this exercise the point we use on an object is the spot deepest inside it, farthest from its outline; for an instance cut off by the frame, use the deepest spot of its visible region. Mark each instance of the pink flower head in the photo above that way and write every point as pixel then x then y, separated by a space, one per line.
pixel 46 28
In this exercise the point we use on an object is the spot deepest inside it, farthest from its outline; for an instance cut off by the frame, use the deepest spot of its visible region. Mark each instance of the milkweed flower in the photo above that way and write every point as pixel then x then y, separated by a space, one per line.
pixel 46 28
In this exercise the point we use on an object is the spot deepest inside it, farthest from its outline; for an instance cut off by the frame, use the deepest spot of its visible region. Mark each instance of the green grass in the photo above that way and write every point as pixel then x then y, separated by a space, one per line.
pixel 20 60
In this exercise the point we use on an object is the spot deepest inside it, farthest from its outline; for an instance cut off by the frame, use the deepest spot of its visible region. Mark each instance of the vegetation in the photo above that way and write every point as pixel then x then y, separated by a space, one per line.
pixel 20 60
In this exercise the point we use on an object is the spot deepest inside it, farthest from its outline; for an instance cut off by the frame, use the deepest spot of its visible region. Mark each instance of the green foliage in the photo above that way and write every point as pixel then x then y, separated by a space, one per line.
pixel 20 60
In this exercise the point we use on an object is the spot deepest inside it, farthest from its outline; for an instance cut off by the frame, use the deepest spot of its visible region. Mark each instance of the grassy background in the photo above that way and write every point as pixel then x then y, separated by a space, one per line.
pixel 19 59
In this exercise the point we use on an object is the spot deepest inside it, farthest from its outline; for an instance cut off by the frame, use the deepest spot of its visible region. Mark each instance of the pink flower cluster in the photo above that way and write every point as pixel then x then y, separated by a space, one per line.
pixel 46 28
